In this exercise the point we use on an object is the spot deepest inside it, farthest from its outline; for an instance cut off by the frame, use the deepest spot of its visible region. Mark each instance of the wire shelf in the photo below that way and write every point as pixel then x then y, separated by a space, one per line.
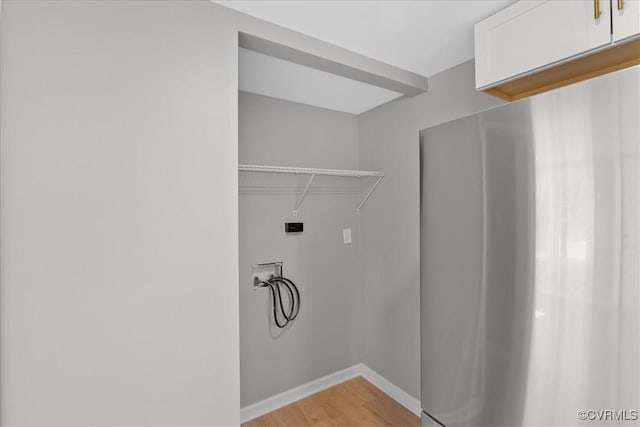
pixel 313 172
pixel 307 171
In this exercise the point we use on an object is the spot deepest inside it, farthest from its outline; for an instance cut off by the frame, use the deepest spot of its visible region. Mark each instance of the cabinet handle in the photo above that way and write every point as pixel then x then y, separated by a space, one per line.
pixel 620 4
pixel 596 9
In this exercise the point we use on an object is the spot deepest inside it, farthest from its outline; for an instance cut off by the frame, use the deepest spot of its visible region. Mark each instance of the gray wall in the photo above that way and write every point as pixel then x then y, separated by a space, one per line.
pixel 389 141
pixel 119 214
pixel 326 335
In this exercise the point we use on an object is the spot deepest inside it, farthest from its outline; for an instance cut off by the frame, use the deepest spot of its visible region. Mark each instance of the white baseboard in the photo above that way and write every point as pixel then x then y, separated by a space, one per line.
pixel 279 400
pixel 395 392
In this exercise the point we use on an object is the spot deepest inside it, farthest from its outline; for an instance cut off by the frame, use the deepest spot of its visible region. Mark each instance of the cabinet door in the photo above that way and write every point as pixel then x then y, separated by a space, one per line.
pixel 532 34
pixel 625 19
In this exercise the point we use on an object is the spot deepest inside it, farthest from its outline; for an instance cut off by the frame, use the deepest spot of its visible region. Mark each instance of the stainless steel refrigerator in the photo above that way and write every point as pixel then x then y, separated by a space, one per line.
pixel 530 261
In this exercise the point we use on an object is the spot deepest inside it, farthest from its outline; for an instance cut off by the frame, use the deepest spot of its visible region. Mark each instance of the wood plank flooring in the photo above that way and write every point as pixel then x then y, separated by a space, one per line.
pixel 356 402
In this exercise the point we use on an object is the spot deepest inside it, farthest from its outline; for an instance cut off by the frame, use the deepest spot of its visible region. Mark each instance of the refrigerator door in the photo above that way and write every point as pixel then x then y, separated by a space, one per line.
pixel 530 260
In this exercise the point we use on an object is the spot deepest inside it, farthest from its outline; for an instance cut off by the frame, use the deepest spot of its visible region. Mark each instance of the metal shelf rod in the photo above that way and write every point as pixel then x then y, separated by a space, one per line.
pixel 373 187
pixel 304 193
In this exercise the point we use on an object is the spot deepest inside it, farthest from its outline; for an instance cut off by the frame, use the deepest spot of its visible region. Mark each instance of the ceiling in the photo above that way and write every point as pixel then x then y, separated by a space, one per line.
pixel 424 37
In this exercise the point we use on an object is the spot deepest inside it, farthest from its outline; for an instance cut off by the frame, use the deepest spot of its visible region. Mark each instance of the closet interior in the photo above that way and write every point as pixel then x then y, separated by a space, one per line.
pixel 301 195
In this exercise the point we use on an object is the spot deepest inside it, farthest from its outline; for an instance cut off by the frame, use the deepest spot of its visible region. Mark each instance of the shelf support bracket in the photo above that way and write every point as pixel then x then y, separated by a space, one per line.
pixel 364 200
pixel 304 194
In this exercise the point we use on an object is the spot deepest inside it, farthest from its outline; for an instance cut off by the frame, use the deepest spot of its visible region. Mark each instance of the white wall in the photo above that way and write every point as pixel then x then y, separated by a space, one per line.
pixel 326 336
pixel 119 214
pixel 389 141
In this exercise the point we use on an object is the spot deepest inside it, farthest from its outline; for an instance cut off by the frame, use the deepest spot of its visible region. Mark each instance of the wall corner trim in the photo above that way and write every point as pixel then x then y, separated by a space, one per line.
pixel 285 398
pixel 395 392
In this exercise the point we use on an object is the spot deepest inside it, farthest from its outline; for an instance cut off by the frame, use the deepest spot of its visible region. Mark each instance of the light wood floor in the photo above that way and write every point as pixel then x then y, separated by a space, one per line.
pixel 356 402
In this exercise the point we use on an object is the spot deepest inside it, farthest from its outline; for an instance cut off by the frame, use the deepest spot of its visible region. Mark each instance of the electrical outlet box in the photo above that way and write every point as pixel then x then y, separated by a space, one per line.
pixel 293 227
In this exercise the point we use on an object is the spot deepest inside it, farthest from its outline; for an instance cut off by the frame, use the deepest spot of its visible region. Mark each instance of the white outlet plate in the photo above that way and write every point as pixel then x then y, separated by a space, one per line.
pixel 346 236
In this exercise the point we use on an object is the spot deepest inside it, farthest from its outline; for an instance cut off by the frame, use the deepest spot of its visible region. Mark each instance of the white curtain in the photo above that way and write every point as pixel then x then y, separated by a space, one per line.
pixel 584 351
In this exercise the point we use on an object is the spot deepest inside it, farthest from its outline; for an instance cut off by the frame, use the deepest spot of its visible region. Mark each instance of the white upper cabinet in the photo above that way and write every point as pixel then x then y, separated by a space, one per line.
pixel 529 35
pixel 625 19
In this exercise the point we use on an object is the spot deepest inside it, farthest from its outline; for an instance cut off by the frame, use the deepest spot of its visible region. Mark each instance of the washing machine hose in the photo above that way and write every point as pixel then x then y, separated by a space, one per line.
pixel 281 315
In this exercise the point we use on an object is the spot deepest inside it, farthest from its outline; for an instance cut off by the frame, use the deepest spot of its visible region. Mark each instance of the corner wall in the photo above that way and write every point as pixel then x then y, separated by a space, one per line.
pixel 326 336
pixel 389 141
